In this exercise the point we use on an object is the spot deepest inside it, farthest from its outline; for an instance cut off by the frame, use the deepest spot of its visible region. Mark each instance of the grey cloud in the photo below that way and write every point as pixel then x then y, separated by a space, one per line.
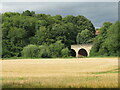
pixel 97 12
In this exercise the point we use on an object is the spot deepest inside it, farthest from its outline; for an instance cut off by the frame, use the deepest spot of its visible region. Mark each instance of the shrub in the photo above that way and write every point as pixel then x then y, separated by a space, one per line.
pixel 55 49
pixel 30 51
pixel 44 51
pixel 65 52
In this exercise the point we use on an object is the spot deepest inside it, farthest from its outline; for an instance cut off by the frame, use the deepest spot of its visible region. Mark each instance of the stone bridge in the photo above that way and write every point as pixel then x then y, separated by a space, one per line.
pixel 82 49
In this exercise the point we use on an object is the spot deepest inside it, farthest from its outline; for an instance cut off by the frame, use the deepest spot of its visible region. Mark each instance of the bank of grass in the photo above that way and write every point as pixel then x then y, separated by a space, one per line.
pixel 117 70
pixel 61 82
pixel 19 58
pixel 102 57
pixel 35 58
pixel 70 57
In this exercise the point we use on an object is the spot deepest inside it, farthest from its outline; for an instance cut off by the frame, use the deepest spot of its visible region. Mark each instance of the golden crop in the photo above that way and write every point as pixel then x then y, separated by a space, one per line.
pixel 60 73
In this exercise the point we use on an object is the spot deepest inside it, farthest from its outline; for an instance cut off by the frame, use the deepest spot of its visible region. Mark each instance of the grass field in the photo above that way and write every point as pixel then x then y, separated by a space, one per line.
pixel 60 73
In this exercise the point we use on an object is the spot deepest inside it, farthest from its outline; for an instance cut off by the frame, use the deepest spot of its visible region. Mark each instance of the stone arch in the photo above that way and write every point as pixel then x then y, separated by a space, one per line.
pixel 87 47
pixel 73 52
pixel 82 53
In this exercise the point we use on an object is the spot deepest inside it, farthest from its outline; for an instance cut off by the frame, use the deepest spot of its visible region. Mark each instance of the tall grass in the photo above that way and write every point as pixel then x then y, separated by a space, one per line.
pixel 57 73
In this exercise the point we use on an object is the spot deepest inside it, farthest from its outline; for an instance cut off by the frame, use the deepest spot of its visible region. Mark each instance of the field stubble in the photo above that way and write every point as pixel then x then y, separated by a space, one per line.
pixel 60 73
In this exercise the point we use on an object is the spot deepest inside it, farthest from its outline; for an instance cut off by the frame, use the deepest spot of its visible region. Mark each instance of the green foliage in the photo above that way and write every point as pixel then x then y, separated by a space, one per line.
pixel 84 37
pixel 104 29
pixel 113 38
pixel 107 43
pixel 70 19
pixel 28 13
pixel 10 50
pixel 22 29
pixel 83 23
pixel 65 52
pixel 80 22
pixel 57 17
pixel 16 31
pixel 30 51
pixel 10 14
pixel 44 51
pixel 64 32
pixel 56 48
pixel 99 48
pixel 14 36
pixel 54 35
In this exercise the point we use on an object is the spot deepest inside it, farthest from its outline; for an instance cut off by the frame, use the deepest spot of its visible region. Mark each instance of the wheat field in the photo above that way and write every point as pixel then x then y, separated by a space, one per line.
pixel 60 73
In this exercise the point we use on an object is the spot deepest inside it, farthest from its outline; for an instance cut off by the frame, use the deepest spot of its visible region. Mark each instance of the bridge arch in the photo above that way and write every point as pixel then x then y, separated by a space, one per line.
pixel 82 49
pixel 73 52
pixel 82 52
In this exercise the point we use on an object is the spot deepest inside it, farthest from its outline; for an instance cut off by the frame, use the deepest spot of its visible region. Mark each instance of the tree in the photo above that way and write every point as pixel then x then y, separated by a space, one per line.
pixel 43 35
pixel 41 16
pixel 44 51
pixel 28 13
pixel 56 48
pixel 104 29
pixel 9 14
pixel 84 37
pixel 64 32
pixel 30 51
pixel 83 23
pixel 113 38
pixel 16 34
pixel 10 50
pixel 22 29
pixel 40 23
pixel 70 19
pixel 6 49
pixel 57 17
pixel 107 42
pixel 65 52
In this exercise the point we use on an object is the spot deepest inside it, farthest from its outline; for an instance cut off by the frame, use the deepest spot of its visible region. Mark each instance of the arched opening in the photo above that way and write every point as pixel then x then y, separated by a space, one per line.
pixel 82 53
pixel 72 52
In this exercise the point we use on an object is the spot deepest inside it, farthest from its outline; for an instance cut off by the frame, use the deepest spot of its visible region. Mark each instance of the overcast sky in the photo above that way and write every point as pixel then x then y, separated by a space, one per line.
pixel 97 12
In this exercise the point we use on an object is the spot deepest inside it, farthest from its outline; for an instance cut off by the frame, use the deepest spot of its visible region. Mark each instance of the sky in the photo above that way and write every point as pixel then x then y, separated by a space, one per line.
pixel 96 12
pixel 59 0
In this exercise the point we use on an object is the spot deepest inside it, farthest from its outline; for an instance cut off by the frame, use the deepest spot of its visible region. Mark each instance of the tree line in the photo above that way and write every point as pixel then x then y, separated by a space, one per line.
pixel 28 34
pixel 27 28
pixel 107 43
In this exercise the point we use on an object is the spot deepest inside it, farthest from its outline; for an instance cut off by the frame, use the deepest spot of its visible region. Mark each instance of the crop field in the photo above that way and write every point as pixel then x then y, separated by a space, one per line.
pixel 60 73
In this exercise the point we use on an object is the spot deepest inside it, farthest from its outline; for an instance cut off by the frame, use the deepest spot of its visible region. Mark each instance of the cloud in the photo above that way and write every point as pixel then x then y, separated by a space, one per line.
pixel 97 12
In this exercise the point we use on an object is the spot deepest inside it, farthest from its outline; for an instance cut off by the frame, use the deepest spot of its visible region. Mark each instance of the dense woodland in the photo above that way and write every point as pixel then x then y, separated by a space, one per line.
pixel 107 43
pixel 28 34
